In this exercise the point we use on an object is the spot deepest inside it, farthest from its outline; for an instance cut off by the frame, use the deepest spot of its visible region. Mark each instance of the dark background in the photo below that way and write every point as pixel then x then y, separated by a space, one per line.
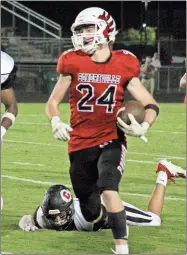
pixel 172 15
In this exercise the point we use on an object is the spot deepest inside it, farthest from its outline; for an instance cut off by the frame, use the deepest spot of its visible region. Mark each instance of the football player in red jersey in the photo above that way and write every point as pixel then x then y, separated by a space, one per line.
pixel 97 79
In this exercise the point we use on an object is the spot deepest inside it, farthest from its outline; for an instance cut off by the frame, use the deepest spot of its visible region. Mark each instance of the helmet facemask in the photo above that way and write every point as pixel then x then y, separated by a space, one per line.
pixel 89 42
pixel 58 207
pixel 61 220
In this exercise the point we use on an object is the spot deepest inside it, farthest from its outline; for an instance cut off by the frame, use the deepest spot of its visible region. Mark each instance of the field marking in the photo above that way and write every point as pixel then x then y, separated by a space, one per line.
pixel 141 161
pixel 151 154
pixel 48 124
pixel 33 123
pixel 65 144
pixel 26 164
pixel 164 131
pixel 32 115
pixel 69 186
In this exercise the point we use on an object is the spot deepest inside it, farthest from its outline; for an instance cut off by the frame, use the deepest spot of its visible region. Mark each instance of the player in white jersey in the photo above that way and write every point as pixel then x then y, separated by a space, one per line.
pixel 8 98
pixel 60 211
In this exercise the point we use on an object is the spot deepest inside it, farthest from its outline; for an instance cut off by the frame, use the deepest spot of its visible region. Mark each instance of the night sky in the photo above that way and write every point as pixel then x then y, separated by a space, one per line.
pixel 172 14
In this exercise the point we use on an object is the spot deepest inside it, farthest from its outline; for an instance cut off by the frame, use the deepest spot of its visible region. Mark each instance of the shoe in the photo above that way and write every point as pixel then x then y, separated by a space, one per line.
pixel 122 252
pixel 170 169
pixel 115 252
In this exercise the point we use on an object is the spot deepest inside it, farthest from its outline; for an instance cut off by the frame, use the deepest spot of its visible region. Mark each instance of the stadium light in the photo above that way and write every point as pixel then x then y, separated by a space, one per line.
pixel 144 25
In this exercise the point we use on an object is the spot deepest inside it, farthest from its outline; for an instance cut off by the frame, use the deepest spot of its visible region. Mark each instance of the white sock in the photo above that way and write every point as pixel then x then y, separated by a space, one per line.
pixel 122 249
pixel 162 178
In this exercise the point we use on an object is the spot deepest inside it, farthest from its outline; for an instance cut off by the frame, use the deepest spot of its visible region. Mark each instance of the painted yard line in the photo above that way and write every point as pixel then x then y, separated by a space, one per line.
pixel 30 180
pixel 142 161
pixel 48 124
pixel 32 115
pixel 65 144
pixel 4 252
pixel 26 164
pixel 32 123
pixel 69 186
pixel 164 131
pixel 128 160
pixel 35 143
pixel 145 195
pixel 157 155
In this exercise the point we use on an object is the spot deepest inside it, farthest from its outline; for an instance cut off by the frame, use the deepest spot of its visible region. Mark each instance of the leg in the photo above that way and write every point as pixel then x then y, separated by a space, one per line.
pixel 110 167
pixel 166 171
pixel 84 175
pixel 157 199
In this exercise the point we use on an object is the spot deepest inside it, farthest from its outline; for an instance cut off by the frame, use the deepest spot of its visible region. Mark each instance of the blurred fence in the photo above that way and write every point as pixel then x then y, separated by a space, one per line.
pixel 36 82
pixel 25 22
pixel 47 50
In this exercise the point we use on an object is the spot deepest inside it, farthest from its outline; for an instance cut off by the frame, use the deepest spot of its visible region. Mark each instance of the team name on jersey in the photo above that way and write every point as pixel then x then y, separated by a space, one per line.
pixel 99 78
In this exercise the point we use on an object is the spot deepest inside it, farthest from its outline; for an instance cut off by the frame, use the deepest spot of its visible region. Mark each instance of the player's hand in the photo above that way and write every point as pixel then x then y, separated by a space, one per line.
pixel 60 130
pixel 26 223
pixel 134 129
pixel 3 132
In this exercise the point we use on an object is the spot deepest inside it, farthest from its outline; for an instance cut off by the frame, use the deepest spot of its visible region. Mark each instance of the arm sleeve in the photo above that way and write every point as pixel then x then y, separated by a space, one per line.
pixel 9 79
pixel 38 218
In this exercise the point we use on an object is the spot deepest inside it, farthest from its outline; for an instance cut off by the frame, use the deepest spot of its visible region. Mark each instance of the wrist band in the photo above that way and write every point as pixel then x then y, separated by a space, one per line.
pixel 55 119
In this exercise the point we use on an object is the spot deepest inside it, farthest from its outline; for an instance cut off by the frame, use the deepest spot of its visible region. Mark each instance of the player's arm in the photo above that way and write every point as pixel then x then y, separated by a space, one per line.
pixel 8 98
pixel 27 223
pixel 32 222
pixel 183 82
pixel 138 91
pixel 59 129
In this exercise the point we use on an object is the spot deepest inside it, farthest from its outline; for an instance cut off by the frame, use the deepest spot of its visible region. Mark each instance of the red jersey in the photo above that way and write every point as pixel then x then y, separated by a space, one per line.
pixel 96 94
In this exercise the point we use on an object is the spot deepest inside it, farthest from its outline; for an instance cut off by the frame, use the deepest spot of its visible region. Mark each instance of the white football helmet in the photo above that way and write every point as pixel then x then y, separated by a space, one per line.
pixel 105 29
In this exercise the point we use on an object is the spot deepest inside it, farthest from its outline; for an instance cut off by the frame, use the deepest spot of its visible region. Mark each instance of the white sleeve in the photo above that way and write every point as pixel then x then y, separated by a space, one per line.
pixel 80 223
pixel 38 218
pixel 7 65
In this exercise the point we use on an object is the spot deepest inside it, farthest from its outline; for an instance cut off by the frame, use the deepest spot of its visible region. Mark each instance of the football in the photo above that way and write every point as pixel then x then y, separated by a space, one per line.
pixel 135 108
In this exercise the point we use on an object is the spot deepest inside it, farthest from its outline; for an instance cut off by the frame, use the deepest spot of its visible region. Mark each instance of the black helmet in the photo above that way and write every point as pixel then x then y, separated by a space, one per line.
pixel 58 207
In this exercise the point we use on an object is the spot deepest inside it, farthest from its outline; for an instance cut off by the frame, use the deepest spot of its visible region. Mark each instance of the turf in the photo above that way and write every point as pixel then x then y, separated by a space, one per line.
pixel 30 153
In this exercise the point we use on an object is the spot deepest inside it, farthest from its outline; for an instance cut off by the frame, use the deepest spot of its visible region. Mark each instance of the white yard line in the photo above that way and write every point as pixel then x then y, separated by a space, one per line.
pixel 26 164
pixel 69 186
pixel 32 115
pixel 141 161
pixel 30 180
pixel 170 132
pixel 36 143
pixel 157 155
pixel 65 144
pixel 32 123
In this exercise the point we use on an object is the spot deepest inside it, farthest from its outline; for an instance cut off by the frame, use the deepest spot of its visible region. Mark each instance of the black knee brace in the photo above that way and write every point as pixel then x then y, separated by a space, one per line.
pixel 117 223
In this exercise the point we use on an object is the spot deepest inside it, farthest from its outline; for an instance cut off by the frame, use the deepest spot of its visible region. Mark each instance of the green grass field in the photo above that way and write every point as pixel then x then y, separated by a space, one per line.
pixel 31 154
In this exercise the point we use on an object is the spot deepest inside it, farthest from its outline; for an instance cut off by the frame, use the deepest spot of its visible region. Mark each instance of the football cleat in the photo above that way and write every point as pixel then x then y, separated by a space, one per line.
pixel 170 169
pixel 122 252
